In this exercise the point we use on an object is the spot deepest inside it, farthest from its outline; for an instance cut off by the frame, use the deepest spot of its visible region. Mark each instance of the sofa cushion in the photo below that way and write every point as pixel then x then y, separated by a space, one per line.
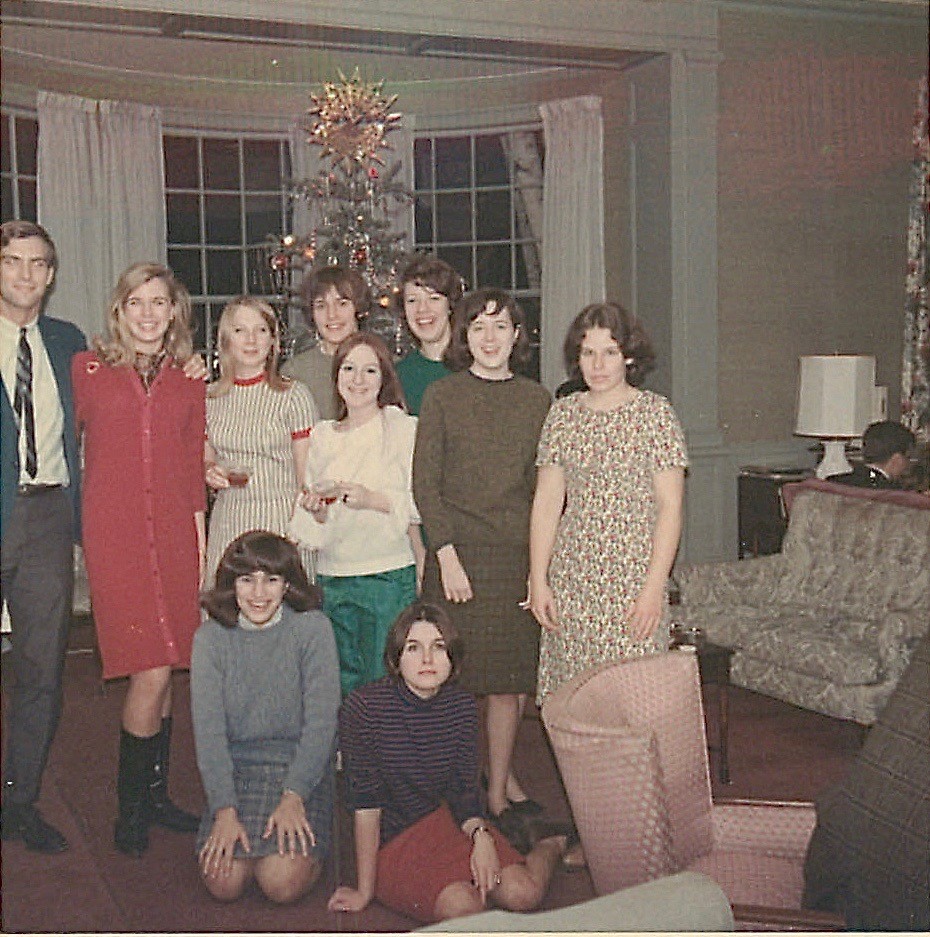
pixel 833 650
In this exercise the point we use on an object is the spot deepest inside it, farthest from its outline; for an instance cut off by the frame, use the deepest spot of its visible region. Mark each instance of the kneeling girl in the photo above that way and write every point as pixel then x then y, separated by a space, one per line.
pixel 264 694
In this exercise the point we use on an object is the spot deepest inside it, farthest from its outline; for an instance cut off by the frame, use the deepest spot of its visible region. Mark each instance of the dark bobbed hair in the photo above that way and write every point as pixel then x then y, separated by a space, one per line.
pixel 12 230
pixel 626 331
pixel 391 393
pixel 435 615
pixel 884 439
pixel 271 554
pixel 458 357
pixel 432 273
pixel 348 283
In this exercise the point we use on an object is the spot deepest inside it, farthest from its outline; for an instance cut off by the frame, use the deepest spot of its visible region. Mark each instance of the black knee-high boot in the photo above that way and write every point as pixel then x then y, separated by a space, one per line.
pixel 161 810
pixel 136 760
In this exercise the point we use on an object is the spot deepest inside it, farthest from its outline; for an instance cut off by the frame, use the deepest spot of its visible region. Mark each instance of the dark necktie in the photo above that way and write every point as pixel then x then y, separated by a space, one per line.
pixel 22 401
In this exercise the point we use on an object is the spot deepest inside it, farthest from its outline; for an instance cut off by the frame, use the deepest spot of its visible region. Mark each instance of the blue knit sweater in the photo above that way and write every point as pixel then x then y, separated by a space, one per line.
pixel 268 696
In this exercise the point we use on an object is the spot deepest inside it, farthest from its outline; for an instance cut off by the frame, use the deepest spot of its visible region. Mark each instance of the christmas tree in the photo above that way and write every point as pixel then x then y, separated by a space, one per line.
pixel 352 201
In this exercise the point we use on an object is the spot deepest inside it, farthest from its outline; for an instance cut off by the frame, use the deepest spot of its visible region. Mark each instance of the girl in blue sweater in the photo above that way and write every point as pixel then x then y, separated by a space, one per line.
pixel 264 695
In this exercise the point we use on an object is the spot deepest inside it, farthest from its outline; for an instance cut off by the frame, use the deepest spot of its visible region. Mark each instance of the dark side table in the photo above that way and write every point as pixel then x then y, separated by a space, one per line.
pixel 714 666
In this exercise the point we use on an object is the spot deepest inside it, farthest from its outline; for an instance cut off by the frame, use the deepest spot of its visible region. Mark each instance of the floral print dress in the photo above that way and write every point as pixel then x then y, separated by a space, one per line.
pixel 604 540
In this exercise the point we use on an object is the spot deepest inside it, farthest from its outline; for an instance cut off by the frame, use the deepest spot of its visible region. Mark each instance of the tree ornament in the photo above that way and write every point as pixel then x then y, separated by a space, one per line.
pixel 350 120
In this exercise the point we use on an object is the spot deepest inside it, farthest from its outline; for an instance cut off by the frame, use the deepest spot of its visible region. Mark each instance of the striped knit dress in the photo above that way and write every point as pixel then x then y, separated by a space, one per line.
pixel 254 426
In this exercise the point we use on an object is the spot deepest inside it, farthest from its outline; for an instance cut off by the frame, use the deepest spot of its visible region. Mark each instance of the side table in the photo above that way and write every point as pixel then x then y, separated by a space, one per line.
pixel 714 666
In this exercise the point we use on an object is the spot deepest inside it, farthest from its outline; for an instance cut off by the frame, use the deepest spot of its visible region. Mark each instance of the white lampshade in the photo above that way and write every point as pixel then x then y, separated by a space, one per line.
pixel 835 395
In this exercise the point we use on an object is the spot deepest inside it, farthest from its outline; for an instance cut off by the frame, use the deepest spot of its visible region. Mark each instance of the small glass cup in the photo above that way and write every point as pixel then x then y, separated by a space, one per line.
pixel 236 474
pixel 682 632
pixel 325 489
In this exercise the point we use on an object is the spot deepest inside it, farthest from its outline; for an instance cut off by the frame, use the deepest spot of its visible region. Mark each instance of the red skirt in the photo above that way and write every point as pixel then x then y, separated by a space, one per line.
pixel 415 866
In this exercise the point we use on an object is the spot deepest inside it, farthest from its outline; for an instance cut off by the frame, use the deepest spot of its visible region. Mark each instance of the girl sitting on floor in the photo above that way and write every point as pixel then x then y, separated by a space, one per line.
pixel 409 741
pixel 264 695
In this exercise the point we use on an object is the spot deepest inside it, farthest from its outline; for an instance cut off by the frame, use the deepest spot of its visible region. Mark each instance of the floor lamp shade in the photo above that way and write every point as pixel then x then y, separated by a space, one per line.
pixel 835 402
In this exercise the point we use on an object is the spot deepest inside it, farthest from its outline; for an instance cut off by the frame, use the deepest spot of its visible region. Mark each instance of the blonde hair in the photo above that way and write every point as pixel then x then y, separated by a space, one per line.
pixel 118 348
pixel 224 329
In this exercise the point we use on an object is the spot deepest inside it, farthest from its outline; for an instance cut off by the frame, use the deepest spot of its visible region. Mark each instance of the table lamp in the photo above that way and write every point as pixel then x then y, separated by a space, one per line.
pixel 835 401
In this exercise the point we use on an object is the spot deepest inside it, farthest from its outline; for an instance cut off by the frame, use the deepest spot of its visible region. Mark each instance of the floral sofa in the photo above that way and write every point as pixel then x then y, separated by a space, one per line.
pixel 829 623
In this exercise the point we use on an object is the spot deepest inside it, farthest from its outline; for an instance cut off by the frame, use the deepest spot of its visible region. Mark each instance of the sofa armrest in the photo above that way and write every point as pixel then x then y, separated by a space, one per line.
pixel 774 828
pixel 735 582
pixel 898 633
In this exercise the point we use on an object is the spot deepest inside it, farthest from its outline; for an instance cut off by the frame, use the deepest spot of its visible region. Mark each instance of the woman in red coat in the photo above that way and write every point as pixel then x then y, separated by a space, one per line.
pixel 143 425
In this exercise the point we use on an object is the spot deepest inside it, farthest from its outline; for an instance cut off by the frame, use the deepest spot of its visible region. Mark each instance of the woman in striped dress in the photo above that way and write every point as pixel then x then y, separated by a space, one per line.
pixel 258 431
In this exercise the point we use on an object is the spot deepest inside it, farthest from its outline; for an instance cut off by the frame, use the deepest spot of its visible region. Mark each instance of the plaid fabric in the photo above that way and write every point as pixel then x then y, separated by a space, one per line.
pixel 258 792
pixel 869 857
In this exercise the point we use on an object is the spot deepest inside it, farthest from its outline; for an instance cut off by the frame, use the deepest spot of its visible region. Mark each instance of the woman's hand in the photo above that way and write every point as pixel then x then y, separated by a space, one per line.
pixel 216 856
pixel 316 503
pixel 455 582
pixel 216 476
pixel 359 498
pixel 646 615
pixel 485 865
pixel 541 602
pixel 195 368
pixel 348 899
pixel 292 825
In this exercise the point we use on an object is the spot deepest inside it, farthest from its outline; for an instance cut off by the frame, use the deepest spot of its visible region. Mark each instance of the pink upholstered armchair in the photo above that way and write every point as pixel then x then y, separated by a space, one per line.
pixel 630 743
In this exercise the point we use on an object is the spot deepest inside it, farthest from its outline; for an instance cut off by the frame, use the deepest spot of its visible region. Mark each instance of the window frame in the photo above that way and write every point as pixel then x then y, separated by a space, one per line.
pixel 14 175
pixel 435 245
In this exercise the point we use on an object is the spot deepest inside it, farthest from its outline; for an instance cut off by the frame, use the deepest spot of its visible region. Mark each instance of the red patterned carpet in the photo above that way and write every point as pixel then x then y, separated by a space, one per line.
pixel 776 751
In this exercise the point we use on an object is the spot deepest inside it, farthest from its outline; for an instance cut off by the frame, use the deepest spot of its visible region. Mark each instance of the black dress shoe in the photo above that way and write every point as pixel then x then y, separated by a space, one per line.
pixel 514 827
pixel 528 807
pixel 26 823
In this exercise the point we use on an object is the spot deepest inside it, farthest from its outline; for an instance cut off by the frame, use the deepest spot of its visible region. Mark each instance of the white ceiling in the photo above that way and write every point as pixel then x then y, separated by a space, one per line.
pixel 262 58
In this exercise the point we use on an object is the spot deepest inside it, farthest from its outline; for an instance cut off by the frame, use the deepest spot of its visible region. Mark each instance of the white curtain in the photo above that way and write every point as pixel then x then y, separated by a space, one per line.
pixel 101 193
pixel 573 222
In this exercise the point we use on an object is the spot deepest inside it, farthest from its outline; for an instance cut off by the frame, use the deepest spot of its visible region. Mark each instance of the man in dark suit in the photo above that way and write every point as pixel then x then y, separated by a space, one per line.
pixel 886 448
pixel 39 497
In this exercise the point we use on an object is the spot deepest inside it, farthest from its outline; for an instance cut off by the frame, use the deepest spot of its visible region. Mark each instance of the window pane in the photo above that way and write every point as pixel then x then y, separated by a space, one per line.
pixel 220 164
pixel 490 163
pixel 28 210
pixel 530 307
pixel 262 164
pixel 223 224
pixel 423 221
pixel 494 265
pixel 493 215
pixel 453 162
pixel 520 274
pixel 460 259
pixel 6 199
pixel 423 164
pixel 262 217
pixel 198 328
pixel 180 162
pixel 26 143
pixel 453 216
pixel 224 273
pixel 186 267
pixel 6 160
pixel 183 219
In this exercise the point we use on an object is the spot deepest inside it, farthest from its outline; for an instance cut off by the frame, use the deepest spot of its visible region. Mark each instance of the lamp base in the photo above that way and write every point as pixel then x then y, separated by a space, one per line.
pixel 834 460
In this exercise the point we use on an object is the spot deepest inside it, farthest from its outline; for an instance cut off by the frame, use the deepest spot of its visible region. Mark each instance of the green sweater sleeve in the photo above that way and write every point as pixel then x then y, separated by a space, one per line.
pixel 428 467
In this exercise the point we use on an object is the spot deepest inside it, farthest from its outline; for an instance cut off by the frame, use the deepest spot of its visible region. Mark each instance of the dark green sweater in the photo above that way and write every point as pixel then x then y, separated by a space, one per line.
pixel 473 465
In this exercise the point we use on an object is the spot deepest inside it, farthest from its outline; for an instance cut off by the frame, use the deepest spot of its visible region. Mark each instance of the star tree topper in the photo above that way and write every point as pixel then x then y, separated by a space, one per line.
pixel 351 119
